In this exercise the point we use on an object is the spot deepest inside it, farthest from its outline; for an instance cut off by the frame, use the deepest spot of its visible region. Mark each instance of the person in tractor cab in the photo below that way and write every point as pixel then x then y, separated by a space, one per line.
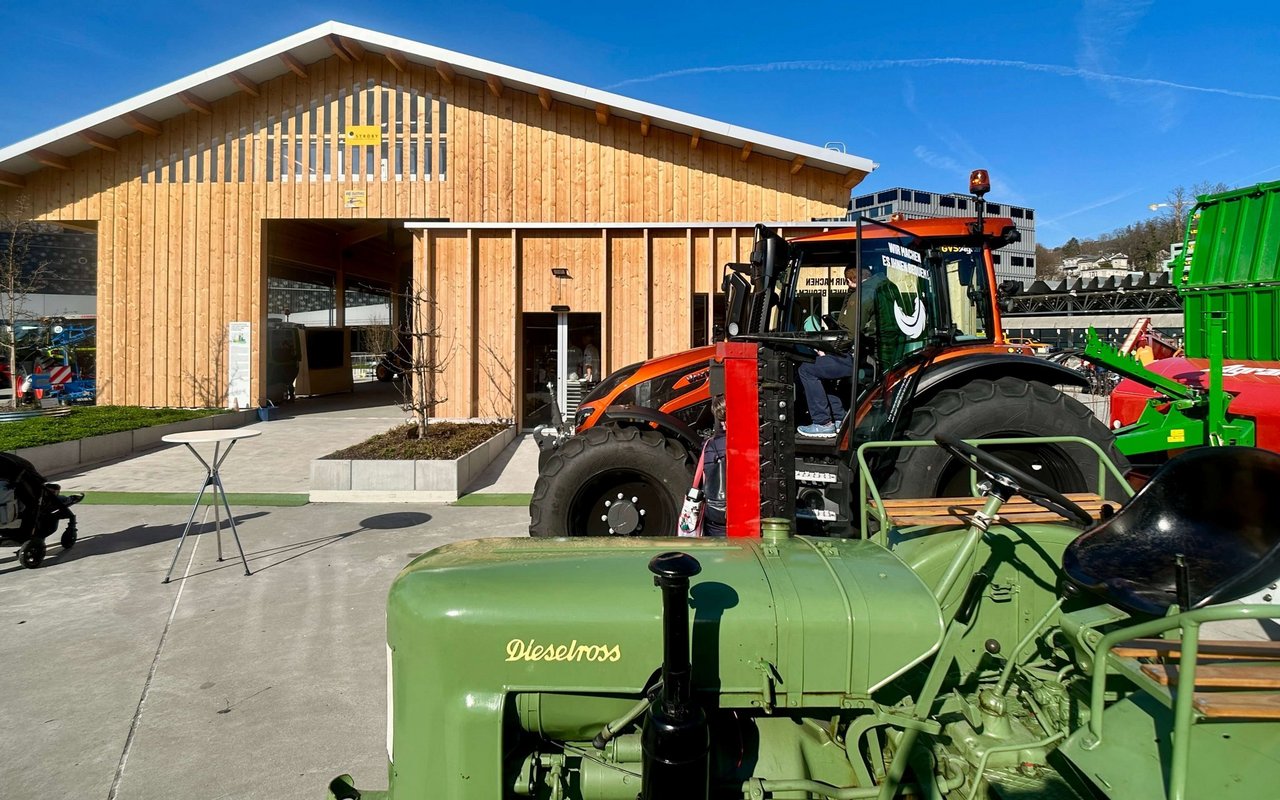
pixel 826 408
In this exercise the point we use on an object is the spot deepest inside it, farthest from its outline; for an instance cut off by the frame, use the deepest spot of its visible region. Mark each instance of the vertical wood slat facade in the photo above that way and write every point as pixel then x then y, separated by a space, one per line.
pixel 182 215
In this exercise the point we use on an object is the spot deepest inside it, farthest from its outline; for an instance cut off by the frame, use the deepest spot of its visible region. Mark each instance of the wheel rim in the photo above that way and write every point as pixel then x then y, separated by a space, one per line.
pixel 621 502
pixel 1049 462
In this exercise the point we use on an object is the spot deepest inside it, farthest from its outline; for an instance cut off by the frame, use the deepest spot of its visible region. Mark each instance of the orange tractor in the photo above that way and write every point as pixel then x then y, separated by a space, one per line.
pixel 925 358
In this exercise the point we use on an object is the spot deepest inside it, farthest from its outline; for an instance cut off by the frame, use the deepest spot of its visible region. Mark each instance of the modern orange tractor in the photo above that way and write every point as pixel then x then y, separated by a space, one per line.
pixel 930 361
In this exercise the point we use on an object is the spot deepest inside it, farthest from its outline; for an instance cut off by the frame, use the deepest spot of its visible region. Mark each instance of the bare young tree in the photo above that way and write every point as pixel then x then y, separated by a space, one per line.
pixel 501 379
pixel 22 273
pixel 428 356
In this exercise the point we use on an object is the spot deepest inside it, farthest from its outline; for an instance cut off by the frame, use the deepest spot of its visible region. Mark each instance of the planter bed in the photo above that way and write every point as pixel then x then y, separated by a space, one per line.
pixel 339 479
pixel 51 459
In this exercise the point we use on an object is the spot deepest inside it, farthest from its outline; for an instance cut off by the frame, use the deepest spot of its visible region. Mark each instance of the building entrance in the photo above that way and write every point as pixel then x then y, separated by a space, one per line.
pixel 561 362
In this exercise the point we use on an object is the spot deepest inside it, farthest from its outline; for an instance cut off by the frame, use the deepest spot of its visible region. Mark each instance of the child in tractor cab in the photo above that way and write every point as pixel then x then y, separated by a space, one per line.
pixel 826 408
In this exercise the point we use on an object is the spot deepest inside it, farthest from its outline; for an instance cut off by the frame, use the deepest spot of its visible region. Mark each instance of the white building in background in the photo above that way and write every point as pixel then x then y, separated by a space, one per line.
pixel 1016 261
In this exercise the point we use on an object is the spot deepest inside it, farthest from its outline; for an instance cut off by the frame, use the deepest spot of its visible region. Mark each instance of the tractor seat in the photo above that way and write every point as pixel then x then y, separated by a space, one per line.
pixel 1216 506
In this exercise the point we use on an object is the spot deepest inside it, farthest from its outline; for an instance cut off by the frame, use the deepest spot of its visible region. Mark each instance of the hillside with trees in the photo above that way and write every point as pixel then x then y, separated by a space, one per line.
pixel 1146 242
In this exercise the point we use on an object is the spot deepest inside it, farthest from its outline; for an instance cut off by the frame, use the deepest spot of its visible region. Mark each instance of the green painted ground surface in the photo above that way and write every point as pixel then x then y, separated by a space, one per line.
pixel 496 499
pixel 187 498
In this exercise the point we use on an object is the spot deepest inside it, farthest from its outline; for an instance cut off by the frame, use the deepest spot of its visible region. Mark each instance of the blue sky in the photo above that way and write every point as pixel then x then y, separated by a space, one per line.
pixel 1086 111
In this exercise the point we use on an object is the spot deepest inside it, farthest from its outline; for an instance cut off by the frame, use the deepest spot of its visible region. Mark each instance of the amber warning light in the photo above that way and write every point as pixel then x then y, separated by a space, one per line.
pixel 979 182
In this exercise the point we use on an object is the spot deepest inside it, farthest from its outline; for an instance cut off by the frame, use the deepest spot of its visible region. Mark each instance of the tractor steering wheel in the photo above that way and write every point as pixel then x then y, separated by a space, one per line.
pixel 1014 480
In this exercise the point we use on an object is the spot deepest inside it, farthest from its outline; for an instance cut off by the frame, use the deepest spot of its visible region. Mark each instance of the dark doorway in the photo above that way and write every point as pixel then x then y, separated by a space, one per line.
pixel 561 357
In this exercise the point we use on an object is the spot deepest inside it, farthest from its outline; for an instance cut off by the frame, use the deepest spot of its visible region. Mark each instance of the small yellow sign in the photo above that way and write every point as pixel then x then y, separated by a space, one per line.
pixel 364 135
pixel 354 198
pixel 1177 435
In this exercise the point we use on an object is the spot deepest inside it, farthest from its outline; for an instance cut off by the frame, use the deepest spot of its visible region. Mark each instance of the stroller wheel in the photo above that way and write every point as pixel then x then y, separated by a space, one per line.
pixel 68 539
pixel 31 554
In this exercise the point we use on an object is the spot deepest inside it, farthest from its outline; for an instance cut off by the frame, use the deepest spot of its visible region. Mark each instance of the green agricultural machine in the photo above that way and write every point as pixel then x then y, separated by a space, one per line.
pixel 1226 388
pixel 1019 644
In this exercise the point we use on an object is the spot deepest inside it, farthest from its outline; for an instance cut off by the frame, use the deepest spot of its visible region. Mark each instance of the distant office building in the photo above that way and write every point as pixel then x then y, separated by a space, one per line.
pixel 1013 262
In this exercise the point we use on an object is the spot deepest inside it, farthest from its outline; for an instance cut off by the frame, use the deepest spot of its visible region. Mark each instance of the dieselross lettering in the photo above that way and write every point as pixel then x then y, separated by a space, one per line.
pixel 521 650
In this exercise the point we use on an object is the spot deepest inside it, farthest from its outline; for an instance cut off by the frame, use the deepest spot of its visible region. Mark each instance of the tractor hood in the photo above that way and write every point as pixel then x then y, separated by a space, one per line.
pixel 789 623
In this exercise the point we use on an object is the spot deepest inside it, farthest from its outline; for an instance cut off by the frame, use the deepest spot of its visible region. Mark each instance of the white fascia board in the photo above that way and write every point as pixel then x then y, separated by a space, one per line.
pixel 165 92
pixel 831 160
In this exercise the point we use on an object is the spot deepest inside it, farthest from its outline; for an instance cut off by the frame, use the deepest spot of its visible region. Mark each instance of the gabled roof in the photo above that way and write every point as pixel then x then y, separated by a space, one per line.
pixel 330 38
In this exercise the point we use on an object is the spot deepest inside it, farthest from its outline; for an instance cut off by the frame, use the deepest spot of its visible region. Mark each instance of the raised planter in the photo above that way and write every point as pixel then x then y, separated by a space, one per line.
pixel 408 481
pixel 51 459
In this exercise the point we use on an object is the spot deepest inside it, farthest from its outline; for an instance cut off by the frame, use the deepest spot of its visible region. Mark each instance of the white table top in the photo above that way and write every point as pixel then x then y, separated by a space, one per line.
pixel 209 437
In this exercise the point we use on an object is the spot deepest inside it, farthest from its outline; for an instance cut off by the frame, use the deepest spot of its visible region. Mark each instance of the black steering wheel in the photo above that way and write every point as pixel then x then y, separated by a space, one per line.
pixel 1014 480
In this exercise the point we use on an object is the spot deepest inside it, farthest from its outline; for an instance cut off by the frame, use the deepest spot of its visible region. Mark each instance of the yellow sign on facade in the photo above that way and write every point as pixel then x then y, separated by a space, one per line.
pixel 353 198
pixel 364 135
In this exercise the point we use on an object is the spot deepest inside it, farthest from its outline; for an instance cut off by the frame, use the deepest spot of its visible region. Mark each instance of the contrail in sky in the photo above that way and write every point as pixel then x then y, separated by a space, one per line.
pixel 866 66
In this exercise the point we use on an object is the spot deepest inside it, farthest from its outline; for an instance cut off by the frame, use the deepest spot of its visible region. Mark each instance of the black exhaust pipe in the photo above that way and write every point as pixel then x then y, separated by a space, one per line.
pixel 675 740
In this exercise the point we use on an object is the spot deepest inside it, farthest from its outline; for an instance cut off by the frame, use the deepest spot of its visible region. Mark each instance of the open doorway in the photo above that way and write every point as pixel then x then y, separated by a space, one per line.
pixel 561 362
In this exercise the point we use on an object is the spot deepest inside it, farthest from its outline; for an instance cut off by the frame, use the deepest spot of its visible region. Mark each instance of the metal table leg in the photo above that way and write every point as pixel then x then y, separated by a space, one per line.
pixel 211 478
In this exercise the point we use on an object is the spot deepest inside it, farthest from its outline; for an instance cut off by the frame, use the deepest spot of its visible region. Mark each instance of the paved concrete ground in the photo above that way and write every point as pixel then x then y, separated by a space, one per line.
pixel 215 685
pixel 280 459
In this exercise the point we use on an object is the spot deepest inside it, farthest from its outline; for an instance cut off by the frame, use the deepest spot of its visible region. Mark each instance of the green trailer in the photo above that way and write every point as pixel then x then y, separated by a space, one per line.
pixel 1225 389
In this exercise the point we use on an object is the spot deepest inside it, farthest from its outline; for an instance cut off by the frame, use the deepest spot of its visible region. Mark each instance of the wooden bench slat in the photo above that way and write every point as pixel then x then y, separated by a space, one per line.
pixel 1245 650
pixel 1221 676
pixel 1238 705
pixel 961 519
pixel 944 502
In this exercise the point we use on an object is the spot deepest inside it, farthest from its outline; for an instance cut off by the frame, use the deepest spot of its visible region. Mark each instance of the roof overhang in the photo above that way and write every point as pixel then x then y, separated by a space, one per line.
pixel 102 128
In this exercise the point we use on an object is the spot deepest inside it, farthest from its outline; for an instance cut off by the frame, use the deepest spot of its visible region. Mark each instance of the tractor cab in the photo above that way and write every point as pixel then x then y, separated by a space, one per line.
pixel 918 289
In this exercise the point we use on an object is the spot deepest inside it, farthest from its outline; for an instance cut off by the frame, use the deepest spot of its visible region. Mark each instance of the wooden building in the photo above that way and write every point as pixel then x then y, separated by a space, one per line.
pixel 520 202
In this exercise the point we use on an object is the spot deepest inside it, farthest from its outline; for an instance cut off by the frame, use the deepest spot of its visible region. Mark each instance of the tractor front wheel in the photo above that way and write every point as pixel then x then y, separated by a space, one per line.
pixel 1004 408
pixel 611 481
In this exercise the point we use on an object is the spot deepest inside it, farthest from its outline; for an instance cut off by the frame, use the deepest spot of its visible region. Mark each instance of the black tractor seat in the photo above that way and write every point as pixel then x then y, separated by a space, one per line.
pixel 1216 507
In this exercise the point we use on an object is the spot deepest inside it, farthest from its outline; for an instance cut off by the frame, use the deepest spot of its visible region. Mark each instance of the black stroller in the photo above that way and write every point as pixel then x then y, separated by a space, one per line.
pixel 30 508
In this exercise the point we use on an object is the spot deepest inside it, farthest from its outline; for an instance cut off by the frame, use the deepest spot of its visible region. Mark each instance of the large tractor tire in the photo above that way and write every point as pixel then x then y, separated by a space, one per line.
pixel 611 481
pixel 1005 407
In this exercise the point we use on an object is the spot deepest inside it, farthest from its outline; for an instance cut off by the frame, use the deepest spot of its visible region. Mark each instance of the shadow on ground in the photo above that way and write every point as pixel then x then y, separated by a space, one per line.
pixel 99 544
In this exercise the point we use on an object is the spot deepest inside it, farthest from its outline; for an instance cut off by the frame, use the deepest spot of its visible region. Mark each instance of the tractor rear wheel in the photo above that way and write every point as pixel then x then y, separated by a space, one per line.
pixel 611 481
pixel 1004 408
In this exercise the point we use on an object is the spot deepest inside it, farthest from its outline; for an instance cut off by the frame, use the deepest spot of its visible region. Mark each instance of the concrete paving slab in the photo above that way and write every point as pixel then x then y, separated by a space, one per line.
pixel 277 461
pixel 515 471
pixel 217 684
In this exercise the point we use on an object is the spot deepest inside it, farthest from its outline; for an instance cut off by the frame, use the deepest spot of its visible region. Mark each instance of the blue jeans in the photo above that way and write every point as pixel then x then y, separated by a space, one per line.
pixel 825 406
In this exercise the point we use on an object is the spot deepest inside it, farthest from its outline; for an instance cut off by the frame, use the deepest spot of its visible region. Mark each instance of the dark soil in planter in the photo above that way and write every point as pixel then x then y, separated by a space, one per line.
pixel 444 440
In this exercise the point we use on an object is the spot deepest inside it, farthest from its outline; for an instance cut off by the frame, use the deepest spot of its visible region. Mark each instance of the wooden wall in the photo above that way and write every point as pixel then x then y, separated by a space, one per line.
pixel 640 281
pixel 180 214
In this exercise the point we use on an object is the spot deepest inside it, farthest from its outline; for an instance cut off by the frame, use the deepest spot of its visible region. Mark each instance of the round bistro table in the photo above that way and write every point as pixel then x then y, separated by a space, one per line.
pixel 217 438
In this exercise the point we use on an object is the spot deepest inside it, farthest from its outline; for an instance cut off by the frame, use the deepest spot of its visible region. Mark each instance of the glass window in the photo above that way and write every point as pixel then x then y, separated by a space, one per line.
pixel 1015 212
pixel 995 209
pixel 864 201
pixel 1015 260
pixel 947 202
pixel 923 197
pixel 962 203
pixel 885 197
pixel 1031 262
pixel 995 259
pixel 1031 214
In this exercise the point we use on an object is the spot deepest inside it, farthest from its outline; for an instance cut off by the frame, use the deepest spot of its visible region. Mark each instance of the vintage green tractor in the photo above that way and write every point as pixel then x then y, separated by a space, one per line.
pixel 970 648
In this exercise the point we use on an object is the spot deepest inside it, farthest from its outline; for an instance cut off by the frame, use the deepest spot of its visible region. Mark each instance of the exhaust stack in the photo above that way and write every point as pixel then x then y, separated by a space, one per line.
pixel 675 740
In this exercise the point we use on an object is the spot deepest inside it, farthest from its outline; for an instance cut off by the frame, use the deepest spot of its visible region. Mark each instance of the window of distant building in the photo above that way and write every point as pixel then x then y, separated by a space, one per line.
pixel 923 197
pixel 962 203
pixel 885 197
pixel 1031 262
pixel 1015 212
pixel 947 202
pixel 864 201
pixel 994 209
pixel 1031 214
pixel 1016 260
pixel 995 258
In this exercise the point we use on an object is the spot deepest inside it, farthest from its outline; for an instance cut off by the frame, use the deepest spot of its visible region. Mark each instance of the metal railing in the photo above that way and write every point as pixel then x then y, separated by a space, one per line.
pixel 868 489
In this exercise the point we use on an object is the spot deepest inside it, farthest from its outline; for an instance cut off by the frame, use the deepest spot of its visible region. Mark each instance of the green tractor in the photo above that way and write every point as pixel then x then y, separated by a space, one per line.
pixel 1020 643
